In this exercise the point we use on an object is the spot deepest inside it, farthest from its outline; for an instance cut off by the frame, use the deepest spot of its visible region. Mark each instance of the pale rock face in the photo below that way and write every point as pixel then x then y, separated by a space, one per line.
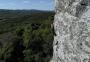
pixel 72 28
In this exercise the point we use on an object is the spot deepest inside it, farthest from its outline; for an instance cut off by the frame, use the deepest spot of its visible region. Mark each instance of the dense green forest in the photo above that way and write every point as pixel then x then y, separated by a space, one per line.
pixel 26 35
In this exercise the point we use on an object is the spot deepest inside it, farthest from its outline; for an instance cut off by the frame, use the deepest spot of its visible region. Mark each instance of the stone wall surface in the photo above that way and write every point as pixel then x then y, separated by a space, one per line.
pixel 72 28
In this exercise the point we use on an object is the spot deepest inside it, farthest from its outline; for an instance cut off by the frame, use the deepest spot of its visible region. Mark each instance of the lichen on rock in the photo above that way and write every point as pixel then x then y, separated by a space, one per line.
pixel 72 28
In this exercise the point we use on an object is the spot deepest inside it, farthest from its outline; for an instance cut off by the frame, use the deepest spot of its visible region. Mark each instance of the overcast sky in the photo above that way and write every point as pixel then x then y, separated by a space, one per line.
pixel 27 4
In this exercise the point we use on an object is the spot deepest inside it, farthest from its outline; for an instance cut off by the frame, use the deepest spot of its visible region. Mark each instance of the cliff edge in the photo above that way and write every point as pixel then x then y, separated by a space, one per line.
pixel 72 28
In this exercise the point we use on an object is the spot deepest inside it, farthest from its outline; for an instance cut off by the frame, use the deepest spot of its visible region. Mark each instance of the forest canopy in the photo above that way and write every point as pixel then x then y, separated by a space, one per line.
pixel 26 35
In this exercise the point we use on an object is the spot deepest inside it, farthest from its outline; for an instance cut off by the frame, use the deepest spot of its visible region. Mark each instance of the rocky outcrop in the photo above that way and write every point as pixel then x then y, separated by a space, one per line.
pixel 72 28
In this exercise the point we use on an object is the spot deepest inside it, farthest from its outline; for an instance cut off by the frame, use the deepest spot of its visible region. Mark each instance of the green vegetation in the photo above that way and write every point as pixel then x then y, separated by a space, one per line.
pixel 26 36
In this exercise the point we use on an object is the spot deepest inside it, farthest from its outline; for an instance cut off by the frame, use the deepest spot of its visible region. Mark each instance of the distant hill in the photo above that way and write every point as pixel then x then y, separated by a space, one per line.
pixel 10 13
pixel 9 19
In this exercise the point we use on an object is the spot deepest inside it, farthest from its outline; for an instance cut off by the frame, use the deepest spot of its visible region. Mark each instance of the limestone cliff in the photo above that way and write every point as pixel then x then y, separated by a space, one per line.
pixel 72 28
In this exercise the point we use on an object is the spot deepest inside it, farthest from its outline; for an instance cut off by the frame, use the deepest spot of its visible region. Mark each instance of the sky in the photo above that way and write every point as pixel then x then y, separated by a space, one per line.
pixel 27 4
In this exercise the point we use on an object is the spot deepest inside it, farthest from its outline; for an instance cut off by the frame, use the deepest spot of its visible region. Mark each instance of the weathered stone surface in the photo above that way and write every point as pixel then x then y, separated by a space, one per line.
pixel 72 28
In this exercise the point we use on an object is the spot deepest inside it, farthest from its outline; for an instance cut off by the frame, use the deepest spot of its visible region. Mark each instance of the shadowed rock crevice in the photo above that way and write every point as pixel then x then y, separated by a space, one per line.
pixel 81 7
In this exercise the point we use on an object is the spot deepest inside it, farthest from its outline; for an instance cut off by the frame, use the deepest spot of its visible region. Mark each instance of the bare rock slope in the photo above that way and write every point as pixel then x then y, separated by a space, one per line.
pixel 72 28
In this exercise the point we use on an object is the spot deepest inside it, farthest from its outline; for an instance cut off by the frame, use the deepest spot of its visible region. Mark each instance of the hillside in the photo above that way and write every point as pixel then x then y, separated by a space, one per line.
pixel 10 19
pixel 26 35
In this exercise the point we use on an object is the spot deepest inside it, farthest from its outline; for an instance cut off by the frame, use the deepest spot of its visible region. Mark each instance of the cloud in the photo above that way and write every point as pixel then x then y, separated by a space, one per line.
pixel 41 1
pixel 26 1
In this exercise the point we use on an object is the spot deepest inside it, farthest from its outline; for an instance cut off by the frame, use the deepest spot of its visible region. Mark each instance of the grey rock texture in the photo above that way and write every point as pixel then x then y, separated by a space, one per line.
pixel 72 28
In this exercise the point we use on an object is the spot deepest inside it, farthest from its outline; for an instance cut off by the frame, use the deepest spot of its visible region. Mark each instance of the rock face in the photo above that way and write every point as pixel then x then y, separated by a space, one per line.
pixel 72 28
